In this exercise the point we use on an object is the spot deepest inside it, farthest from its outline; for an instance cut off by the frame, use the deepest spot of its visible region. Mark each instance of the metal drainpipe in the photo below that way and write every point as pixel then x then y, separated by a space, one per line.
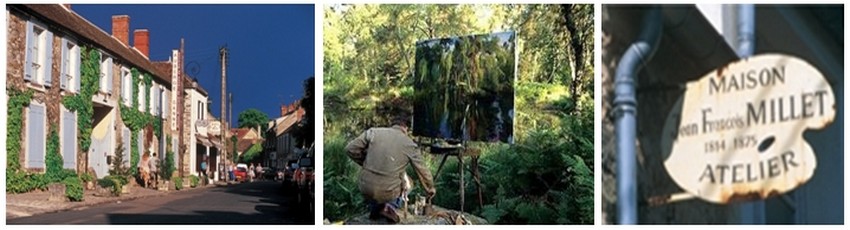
pixel 750 212
pixel 625 112
pixel 746 30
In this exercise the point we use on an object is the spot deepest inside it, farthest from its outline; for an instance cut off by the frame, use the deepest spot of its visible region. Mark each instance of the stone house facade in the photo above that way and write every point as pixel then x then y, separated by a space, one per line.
pixel 46 48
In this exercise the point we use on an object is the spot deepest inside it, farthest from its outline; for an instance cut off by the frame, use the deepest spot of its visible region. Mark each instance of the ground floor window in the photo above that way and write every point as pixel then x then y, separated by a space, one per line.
pixel 36 130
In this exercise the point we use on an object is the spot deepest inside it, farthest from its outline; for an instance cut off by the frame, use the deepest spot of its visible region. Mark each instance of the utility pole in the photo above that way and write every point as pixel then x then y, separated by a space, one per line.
pixel 230 108
pixel 223 151
pixel 230 119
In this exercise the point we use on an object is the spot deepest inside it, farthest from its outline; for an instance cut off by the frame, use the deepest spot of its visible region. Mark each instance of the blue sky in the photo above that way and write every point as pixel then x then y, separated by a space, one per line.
pixel 271 47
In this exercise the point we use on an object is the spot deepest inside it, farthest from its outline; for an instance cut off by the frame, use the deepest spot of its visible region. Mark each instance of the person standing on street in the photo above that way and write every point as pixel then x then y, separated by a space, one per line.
pixel 230 174
pixel 251 173
pixel 204 171
pixel 144 170
pixel 154 170
pixel 260 172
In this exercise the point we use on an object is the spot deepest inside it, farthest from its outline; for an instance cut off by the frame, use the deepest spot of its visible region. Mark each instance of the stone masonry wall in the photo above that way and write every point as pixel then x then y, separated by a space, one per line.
pixel 656 94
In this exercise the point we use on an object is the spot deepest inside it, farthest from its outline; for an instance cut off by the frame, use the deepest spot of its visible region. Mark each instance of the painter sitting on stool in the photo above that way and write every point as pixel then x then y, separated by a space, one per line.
pixel 384 154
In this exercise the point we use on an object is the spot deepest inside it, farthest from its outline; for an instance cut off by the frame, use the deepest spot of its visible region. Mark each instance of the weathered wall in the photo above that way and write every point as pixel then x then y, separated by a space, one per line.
pixel 659 86
pixel 15 56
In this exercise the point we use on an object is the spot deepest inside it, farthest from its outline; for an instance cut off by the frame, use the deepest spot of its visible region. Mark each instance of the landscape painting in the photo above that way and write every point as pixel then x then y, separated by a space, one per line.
pixel 464 88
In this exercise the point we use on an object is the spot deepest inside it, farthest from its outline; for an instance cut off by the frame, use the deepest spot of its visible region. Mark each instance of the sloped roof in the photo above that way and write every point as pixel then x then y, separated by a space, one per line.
pixel 285 123
pixel 241 133
pixel 189 83
pixel 59 17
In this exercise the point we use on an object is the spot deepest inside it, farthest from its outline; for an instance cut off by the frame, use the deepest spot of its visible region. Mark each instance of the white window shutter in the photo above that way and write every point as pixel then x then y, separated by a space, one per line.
pixel 28 72
pixel 125 87
pixel 158 107
pixel 69 137
pixel 152 103
pixel 155 100
pixel 47 68
pixel 76 72
pixel 166 107
pixel 102 79
pixel 35 136
pixel 126 139
pixel 109 75
pixel 63 65
pixel 141 96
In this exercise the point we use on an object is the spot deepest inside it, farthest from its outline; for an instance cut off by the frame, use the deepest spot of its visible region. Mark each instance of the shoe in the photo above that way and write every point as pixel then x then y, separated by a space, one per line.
pixel 374 215
pixel 390 214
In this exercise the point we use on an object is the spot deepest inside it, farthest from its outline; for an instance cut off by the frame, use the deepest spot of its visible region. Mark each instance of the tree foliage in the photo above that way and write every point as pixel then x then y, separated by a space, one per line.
pixel 251 118
pixel 81 102
pixel 170 166
pixel 252 154
pixel 545 177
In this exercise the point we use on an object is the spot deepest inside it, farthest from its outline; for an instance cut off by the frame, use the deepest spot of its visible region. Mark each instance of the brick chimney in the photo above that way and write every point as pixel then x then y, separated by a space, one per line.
pixel 141 38
pixel 121 28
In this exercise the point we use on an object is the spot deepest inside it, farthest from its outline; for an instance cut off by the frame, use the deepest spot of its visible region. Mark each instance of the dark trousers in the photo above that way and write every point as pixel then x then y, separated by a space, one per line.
pixel 375 207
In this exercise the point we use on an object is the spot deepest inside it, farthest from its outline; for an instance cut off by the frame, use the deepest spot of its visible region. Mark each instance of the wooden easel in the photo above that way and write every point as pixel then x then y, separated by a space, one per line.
pixel 460 152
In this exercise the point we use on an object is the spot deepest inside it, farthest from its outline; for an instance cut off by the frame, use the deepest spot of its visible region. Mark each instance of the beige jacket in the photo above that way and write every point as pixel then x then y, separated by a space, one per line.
pixel 384 154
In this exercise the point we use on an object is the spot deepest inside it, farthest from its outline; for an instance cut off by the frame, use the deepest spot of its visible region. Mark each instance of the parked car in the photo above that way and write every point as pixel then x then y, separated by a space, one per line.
pixel 279 175
pixel 304 178
pixel 241 172
pixel 270 173
pixel 289 174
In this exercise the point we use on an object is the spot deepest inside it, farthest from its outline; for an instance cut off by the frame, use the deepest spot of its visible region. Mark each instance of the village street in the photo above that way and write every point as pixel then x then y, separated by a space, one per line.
pixel 259 202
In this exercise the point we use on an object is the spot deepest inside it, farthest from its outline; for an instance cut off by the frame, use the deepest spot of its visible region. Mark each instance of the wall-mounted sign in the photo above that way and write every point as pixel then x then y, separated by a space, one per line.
pixel 175 81
pixel 738 132
pixel 208 127
pixel 202 126
pixel 214 128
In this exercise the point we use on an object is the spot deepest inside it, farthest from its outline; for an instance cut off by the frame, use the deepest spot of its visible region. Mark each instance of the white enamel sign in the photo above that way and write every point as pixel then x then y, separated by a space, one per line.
pixel 175 81
pixel 738 132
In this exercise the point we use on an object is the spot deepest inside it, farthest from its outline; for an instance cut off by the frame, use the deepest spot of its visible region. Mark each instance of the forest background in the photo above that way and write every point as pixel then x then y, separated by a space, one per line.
pixel 545 177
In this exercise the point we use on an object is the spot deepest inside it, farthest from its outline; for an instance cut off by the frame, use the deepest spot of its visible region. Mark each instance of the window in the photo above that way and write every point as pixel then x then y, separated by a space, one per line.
pixel 154 103
pixel 36 134
pixel 68 139
pixel 38 55
pixel 126 82
pixel 200 111
pixel 125 138
pixel 105 73
pixel 141 95
pixel 166 103
pixel 69 76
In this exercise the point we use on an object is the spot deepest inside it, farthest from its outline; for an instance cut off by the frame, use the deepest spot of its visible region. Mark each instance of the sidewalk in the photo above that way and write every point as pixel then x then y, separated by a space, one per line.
pixel 35 202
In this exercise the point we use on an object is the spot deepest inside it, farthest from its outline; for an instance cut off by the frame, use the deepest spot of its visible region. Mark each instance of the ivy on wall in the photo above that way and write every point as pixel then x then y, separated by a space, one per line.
pixel 136 120
pixel 81 103
pixel 169 167
pixel 15 124
pixel 157 127
pixel 17 180
pixel 53 160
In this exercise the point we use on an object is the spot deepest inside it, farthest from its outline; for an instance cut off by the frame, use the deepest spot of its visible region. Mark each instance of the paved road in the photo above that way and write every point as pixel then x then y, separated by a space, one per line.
pixel 248 203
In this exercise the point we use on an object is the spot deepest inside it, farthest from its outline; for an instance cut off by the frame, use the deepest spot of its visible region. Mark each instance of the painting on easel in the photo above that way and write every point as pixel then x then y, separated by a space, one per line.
pixel 464 88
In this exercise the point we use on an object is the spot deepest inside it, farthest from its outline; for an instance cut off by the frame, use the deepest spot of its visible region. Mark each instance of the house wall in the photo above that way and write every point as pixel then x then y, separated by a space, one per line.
pixel 190 113
pixel 107 134
pixel 49 96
